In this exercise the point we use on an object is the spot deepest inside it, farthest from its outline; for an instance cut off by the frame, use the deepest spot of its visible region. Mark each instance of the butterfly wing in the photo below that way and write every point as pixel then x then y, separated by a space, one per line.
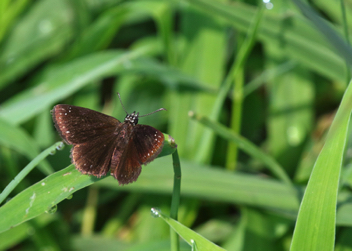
pixel 94 158
pixel 92 135
pixel 148 142
pixel 144 145
pixel 77 125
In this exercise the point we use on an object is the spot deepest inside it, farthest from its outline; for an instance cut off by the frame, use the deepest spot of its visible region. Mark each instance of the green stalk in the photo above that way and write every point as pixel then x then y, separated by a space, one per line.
pixel 238 97
pixel 10 187
pixel 226 86
pixel 175 244
pixel 236 118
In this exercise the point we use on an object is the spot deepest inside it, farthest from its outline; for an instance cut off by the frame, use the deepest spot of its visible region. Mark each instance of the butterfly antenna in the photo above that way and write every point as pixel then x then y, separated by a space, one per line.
pixel 161 109
pixel 121 103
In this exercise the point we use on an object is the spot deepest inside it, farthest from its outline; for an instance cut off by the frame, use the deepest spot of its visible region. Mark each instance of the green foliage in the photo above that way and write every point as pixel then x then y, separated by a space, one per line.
pixel 266 163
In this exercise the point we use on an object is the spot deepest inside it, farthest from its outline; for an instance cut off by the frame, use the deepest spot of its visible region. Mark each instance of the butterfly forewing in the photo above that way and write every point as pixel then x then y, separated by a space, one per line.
pixel 78 125
pixel 91 134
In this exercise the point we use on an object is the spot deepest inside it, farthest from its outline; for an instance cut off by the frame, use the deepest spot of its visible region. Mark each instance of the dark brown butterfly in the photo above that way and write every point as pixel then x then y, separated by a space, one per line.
pixel 102 143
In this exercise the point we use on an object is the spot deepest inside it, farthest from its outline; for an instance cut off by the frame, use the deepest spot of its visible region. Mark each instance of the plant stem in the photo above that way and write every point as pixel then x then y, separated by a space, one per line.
pixel 236 67
pixel 175 244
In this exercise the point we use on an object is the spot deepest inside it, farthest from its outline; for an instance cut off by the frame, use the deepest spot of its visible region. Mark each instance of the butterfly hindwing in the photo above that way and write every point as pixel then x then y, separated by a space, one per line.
pixel 148 142
pixel 125 166
pixel 144 146
pixel 94 158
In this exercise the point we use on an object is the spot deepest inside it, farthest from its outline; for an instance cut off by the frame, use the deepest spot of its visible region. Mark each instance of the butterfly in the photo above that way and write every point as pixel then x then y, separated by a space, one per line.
pixel 102 143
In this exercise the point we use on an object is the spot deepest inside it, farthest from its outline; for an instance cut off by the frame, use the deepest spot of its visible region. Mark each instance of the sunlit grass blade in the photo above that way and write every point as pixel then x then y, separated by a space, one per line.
pixel 318 207
pixel 42 197
pixel 188 235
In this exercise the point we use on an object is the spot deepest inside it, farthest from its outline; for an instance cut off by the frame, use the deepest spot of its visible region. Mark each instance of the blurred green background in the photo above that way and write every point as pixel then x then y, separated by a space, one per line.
pixel 264 71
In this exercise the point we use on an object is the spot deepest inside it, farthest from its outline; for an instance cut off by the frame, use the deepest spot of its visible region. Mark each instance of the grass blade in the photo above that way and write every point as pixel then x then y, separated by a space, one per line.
pixel 318 206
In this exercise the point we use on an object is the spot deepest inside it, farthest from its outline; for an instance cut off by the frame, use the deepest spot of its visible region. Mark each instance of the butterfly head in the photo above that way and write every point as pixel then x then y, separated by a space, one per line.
pixel 132 118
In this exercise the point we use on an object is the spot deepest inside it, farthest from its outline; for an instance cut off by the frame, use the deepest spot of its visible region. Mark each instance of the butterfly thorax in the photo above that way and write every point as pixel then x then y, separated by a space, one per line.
pixel 132 118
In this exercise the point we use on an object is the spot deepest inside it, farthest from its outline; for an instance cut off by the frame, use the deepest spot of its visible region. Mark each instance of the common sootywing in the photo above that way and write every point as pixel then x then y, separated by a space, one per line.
pixel 102 143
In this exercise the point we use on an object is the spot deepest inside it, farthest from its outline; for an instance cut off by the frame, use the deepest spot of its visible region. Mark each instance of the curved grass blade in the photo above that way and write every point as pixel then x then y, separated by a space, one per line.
pixel 8 189
pixel 246 146
pixel 187 234
pixel 44 196
pixel 318 206
pixel 19 140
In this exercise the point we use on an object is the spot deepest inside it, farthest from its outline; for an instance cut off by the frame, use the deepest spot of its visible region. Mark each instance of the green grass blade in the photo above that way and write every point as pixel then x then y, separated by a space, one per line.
pixel 38 35
pixel 17 139
pixel 42 197
pixel 318 206
pixel 64 81
pixel 188 235
pixel 294 36
pixel 246 146
pixel 214 184
pixel 331 35
pixel 8 189
pixel 46 194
